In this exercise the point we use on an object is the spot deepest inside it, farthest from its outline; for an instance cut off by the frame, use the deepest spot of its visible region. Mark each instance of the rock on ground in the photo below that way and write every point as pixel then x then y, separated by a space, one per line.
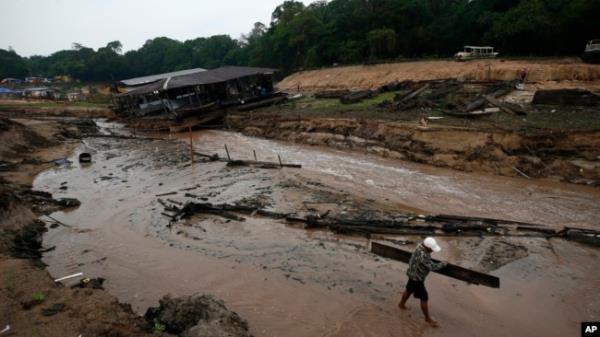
pixel 197 316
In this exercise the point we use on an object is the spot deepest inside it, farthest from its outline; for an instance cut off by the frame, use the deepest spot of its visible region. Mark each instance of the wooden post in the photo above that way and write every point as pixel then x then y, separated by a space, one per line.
pixel 280 163
pixel 191 144
pixel 227 150
pixel 254 151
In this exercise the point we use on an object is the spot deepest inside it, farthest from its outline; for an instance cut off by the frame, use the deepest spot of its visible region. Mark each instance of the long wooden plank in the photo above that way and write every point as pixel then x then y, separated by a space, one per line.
pixel 451 270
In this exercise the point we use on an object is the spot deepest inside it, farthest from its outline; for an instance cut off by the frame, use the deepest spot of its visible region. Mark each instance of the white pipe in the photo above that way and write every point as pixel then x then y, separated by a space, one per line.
pixel 68 277
pixel 5 329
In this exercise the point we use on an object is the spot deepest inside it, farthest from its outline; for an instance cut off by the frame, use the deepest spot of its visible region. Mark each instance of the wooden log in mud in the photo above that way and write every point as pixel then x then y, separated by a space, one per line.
pixel 415 93
pixel 261 164
pixel 511 109
pixel 331 94
pixel 581 235
pixel 451 270
pixel 122 137
pixel 491 221
pixel 357 96
pixel 262 103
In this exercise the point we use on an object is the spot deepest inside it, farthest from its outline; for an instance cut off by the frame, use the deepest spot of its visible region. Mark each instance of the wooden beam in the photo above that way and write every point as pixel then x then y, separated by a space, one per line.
pixel 454 271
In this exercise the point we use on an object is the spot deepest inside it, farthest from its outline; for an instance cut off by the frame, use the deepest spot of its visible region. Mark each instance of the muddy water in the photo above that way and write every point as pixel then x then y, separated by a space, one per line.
pixel 421 187
pixel 291 282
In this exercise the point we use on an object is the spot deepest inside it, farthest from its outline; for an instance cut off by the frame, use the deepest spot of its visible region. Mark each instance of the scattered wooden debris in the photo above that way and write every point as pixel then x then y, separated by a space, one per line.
pixel 121 137
pixel 262 103
pixel 451 270
pixel 415 93
pixel 512 109
pixel 434 225
pixel 332 94
pixel 357 96
pixel 261 164
pixel 472 114
pixel 582 235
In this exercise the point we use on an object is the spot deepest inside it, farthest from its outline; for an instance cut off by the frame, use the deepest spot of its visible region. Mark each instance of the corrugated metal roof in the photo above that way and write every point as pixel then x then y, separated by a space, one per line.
pixel 153 78
pixel 218 75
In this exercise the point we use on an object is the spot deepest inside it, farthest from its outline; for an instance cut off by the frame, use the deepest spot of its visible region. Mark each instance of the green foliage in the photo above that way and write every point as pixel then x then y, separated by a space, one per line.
pixel 382 43
pixel 342 32
pixel 11 64
pixel 38 296
pixel 159 328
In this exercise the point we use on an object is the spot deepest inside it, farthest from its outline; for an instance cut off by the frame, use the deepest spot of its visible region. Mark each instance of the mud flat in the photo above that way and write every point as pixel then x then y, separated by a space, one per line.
pixel 30 302
pixel 288 281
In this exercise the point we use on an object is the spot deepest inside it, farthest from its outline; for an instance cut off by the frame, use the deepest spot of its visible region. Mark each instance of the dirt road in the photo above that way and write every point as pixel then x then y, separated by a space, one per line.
pixel 570 72
pixel 291 282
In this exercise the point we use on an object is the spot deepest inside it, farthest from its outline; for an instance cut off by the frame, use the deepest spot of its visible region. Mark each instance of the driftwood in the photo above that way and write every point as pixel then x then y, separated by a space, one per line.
pixel 506 107
pixel 332 94
pixel 587 236
pixel 491 221
pixel 480 101
pixel 471 114
pixel 261 164
pixel 437 225
pixel 394 86
pixel 451 270
pixel 415 93
pixel 262 103
pixel 211 157
pixel 121 137
pixel 357 96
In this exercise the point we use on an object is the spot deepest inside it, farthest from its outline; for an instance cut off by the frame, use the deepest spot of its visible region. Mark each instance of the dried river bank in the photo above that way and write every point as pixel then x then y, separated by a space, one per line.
pixel 287 281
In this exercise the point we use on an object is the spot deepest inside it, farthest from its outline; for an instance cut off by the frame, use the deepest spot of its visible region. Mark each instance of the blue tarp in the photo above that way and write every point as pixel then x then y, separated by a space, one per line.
pixel 6 91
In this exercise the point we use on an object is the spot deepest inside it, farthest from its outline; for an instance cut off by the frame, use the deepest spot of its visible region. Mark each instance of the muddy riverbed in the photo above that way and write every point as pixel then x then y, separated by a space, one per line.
pixel 287 281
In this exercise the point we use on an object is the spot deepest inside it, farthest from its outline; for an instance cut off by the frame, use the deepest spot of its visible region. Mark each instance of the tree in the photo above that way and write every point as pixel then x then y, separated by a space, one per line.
pixel 382 43
pixel 12 65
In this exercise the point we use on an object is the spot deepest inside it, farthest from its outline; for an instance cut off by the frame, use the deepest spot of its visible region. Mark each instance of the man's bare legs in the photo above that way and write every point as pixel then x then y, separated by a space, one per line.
pixel 405 296
pixel 428 319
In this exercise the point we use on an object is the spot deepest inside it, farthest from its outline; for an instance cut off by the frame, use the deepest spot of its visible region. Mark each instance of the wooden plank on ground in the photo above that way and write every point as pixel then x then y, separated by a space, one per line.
pixel 451 270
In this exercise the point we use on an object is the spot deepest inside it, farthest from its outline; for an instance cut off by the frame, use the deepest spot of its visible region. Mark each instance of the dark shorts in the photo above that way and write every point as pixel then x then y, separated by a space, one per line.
pixel 417 289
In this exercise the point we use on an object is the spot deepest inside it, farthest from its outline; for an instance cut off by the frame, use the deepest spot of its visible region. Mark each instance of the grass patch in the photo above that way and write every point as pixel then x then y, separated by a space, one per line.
pixel 38 297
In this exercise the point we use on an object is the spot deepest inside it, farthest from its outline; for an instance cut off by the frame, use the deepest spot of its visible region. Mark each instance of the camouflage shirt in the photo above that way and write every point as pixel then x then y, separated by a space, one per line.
pixel 420 264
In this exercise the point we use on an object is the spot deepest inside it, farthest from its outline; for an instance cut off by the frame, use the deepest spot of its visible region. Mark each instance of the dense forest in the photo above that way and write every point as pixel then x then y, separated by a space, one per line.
pixel 341 32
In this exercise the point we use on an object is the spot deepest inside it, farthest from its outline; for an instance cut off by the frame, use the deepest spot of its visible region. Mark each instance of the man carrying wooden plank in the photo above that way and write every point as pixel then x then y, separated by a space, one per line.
pixel 419 266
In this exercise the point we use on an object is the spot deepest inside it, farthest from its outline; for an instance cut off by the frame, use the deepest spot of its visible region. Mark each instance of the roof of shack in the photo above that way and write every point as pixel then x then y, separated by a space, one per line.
pixel 217 75
pixel 153 78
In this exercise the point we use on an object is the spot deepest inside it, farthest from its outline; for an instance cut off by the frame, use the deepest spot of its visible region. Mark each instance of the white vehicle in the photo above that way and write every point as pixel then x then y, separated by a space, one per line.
pixel 474 52
pixel 592 52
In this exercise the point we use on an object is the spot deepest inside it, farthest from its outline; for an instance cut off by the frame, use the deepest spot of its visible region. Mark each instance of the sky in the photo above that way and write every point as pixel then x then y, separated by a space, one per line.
pixel 41 27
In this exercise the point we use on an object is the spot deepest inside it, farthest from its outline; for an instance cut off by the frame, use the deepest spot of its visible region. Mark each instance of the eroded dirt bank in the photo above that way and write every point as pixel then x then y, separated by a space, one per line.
pixel 31 304
pixel 570 156
pixel 289 281
pixel 374 76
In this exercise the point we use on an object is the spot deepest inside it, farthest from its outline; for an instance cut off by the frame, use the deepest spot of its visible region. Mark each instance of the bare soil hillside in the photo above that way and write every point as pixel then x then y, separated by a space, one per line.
pixel 371 76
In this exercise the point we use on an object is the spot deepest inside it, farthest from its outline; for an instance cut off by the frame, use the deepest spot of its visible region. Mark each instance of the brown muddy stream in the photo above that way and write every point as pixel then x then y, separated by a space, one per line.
pixel 288 281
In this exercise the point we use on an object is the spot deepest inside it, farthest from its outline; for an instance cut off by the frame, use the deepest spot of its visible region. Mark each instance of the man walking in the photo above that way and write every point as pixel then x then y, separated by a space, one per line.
pixel 419 266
